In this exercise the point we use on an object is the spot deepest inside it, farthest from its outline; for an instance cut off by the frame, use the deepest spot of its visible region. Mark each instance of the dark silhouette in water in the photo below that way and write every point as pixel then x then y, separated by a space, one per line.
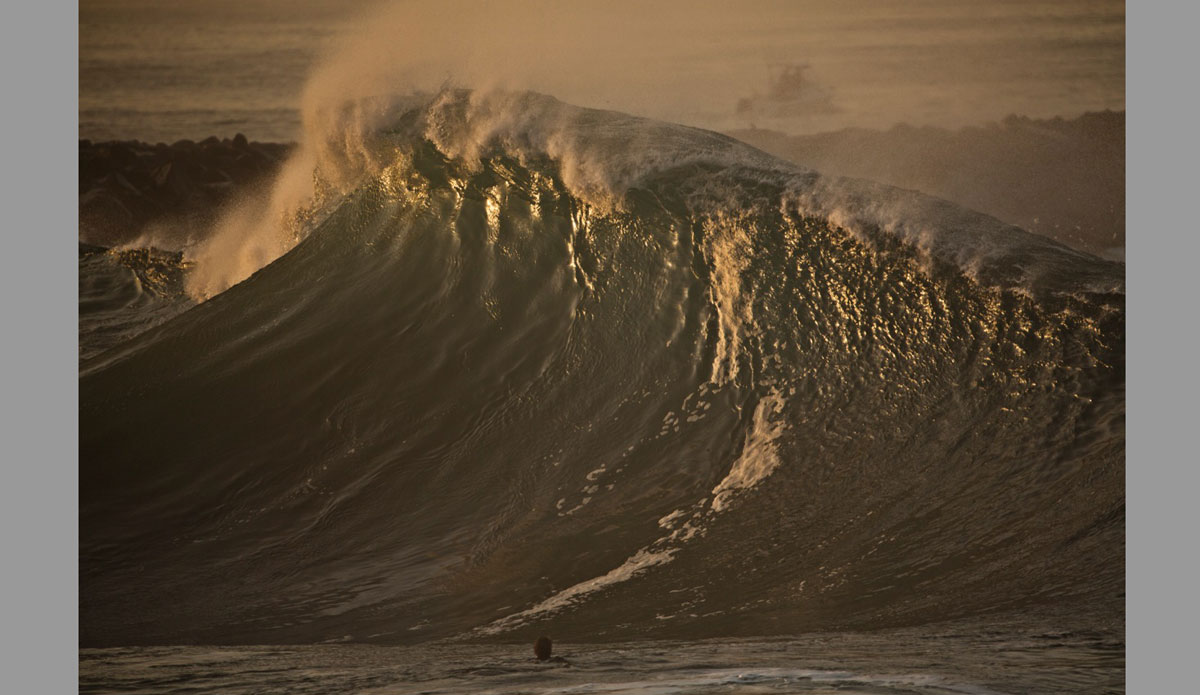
pixel 541 648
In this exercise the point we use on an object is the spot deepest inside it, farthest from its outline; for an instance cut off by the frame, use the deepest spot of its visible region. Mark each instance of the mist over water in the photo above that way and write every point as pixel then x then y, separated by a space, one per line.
pixel 167 71
pixel 929 63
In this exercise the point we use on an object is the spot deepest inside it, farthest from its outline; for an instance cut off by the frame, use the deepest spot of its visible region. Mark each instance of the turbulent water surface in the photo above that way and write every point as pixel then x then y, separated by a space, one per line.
pixel 941 661
pixel 541 369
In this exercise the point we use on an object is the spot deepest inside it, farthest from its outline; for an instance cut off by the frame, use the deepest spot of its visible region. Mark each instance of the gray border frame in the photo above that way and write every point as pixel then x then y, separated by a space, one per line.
pixel 1161 147
pixel 39 42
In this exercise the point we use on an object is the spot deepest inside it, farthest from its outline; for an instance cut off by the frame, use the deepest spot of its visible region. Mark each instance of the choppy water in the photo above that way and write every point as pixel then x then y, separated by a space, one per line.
pixel 124 293
pixel 941 660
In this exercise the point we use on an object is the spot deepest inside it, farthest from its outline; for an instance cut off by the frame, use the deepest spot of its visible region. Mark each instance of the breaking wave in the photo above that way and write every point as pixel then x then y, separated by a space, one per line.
pixel 487 364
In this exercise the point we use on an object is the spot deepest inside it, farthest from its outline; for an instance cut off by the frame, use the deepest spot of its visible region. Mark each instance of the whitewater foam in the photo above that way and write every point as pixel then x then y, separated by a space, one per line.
pixel 638 563
pixel 756 462
pixel 758 458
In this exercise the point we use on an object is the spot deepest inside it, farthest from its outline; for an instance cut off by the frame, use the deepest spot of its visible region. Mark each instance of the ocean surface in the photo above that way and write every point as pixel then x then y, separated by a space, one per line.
pixel 943 660
pixel 483 365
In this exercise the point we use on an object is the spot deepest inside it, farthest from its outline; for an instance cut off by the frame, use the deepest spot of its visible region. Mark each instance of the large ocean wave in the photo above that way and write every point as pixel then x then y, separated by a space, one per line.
pixel 511 366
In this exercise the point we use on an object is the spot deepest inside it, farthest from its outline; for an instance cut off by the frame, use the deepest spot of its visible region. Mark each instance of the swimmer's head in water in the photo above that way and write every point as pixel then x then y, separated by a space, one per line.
pixel 541 648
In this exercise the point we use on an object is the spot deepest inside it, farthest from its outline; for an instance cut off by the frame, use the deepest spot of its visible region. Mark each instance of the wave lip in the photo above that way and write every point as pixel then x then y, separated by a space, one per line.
pixel 600 157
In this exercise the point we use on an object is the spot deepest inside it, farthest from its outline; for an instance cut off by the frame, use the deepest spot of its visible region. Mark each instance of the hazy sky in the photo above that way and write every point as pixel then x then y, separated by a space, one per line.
pixel 941 62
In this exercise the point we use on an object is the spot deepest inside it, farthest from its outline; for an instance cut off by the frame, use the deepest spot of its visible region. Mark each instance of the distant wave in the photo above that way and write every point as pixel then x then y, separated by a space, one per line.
pixel 1060 178
pixel 487 364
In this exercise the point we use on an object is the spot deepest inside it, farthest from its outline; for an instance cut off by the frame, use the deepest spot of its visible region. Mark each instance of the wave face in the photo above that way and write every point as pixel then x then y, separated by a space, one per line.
pixel 607 380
